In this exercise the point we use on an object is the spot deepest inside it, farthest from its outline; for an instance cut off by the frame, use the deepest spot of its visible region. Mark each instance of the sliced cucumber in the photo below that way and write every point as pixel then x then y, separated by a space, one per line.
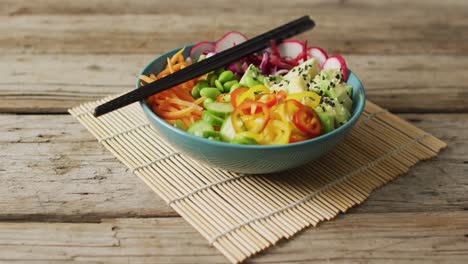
pixel 212 119
pixel 199 127
pixel 227 130
pixel 211 134
pixel 220 109
pixel 243 140
pixel 207 102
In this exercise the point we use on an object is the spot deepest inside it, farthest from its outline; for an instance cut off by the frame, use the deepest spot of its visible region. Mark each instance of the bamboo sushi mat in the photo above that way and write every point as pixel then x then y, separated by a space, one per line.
pixel 242 214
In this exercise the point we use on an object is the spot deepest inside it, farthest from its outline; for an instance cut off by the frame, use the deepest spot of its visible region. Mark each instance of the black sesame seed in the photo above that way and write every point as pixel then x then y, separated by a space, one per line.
pixel 281 85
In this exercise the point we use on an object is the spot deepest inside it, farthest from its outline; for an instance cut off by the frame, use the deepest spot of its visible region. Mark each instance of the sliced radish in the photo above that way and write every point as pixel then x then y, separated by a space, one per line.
pixel 199 48
pixel 290 48
pixel 319 54
pixel 337 62
pixel 228 40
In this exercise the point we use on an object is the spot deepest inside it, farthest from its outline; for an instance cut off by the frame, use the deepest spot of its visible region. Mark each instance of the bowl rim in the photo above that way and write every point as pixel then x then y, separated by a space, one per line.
pixel 359 108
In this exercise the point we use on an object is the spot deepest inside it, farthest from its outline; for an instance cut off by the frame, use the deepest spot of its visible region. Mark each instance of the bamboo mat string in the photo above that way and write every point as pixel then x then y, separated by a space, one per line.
pixel 242 214
pixel 322 189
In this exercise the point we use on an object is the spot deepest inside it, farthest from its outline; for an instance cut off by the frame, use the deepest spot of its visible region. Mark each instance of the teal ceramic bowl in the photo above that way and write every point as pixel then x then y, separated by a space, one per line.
pixel 251 159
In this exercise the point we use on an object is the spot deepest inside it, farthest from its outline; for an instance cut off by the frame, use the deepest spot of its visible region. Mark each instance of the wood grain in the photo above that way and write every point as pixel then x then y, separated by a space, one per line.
pixel 410 55
pixel 53 170
pixel 54 83
pixel 54 7
pixel 421 27
pixel 352 238
pixel 62 174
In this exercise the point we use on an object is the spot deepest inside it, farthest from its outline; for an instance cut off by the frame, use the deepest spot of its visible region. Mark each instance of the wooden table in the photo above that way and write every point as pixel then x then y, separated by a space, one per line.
pixel 65 199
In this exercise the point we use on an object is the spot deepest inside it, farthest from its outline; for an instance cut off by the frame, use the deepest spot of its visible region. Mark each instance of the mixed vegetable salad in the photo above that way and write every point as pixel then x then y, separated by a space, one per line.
pixel 287 93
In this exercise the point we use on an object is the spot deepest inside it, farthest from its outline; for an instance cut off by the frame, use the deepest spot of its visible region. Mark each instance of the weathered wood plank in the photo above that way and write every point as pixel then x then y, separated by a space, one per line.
pixel 53 169
pixel 352 238
pixel 54 83
pixel 372 29
pixel 274 7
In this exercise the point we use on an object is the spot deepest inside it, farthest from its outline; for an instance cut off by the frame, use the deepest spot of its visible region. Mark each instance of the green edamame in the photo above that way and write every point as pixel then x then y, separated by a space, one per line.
pixel 210 92
pixel 212 80
pixel 196 91
pixel 226 76
pixel 202 84
pixel 219 85
pixel 228 85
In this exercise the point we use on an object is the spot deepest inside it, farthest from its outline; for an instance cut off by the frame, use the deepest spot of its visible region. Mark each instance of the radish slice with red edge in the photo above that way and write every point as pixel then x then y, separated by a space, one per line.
pixel 228 40
pixel 337 62
pixel 200 48
pixel 319 54
pixel 290 48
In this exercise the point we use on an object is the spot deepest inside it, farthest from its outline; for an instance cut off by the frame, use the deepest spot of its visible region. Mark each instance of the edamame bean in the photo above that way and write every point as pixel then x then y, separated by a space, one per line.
pixel 228 85
pixel 235 86
pixel 226 76
pixel 219 85
pixel 210 92
pixel 207 102
pixel 196 91
pixel 202 84
pixel 212 79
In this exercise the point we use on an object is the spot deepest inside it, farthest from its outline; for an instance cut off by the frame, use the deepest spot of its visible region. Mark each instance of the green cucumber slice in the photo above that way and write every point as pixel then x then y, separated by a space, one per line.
pixel 220 109
pixel 212 119
pixel 199 127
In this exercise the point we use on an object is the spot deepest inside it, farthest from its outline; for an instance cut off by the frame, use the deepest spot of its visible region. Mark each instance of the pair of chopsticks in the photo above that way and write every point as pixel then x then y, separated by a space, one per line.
pixel 210 64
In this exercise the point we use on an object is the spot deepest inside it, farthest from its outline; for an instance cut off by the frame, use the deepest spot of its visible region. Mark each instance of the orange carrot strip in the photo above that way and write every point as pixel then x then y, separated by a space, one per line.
pixel 168 71
pixel 184 103
pixel 152 76
pixel 175 57
pixel 181 58
pixel 182 94
pixel 199 100
pixel 176 114
pixel 146 79
pixel 169 65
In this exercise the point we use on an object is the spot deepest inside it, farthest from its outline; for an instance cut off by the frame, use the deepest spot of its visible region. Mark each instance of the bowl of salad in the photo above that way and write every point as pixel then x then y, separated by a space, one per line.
pixel 270 111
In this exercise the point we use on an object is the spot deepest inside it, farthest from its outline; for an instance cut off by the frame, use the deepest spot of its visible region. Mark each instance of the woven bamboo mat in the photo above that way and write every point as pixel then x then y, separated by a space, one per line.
pixel 241 214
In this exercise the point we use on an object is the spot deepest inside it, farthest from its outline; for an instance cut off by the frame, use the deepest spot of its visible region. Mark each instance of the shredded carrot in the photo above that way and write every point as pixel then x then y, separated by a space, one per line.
pixel 176 56
pixel 169 65
pixel 176 103
pixel 175 114
pixel 199 100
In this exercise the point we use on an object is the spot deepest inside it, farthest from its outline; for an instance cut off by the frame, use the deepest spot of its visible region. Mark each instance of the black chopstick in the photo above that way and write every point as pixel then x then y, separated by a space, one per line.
pixel 214 62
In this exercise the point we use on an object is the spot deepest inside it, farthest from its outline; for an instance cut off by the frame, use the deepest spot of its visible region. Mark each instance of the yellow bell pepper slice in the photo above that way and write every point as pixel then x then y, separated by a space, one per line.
pixel 307 98
pixel 277 132
pixel 250 94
